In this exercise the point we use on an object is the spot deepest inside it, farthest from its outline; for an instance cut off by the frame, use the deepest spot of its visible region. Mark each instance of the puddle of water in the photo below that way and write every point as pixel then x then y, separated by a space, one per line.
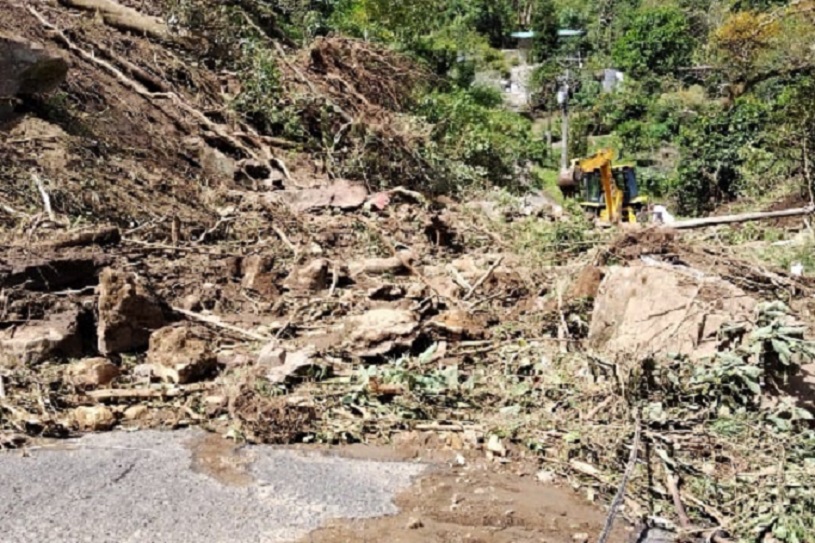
pixel 220 459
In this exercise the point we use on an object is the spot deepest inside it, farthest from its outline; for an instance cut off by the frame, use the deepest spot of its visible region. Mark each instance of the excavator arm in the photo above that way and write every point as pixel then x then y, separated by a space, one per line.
pixel 601 162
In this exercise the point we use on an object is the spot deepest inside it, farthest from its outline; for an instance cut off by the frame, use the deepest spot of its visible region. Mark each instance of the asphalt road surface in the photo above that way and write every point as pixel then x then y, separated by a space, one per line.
pixel 176 487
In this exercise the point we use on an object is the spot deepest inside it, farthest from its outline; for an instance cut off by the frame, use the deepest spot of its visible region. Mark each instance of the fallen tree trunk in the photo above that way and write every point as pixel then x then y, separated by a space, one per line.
pixel 109 235
pixel 746 217
pixel 123 17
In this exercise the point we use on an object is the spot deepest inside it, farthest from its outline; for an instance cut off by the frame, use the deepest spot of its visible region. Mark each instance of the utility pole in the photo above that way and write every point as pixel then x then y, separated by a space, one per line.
pixel 563 100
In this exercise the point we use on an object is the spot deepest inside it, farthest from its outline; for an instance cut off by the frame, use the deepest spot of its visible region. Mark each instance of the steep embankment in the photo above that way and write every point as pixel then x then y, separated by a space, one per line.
pixel 166 264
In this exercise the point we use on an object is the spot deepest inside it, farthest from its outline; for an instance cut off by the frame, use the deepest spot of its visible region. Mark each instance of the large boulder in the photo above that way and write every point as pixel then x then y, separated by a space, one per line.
pixel 128 313
pixel 27 68
pixel 380 331
pixel 182 354
pixel 91 373
pixel 38 341
pixel 312 277
pixel 645 310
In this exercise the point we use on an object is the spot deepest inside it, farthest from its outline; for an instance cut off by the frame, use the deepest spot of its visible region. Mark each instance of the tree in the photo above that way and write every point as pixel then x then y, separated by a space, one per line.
pixel 658 42
pixel 740 41
pixel 545 26
pixel 494 19
pixel 712 157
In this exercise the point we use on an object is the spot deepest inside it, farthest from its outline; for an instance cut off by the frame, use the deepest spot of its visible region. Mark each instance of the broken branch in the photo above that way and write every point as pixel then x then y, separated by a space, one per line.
pixel 46 199
pixel 218 323
pixel 629 470
pixel 146 393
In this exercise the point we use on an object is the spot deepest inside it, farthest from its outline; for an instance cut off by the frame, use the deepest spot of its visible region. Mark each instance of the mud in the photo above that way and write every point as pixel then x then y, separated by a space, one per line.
pixel 220 459
pixel 478 504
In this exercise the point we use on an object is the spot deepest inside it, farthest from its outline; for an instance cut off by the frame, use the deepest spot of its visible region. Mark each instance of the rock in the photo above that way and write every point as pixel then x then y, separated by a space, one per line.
pixel 445 286
pixel 495 446
pixel 128 313
pixel 181 354
pixel 299 365
pixel 135 412
pixel 52 156
pixel 214 405
pixel 271 356
pixel 143 372
pixel 217 163
pixel 416 291
pixel 457 324
pixel 380 331
pixel 28 68
pixel 92 372
pixel 311 277
pixel 580 537
pixel 414 524
pixel 94 419
pixel 38 341
pixel 387 293
pixel 191 302
pixel 232 359
pixel 50 273
pixel 258 275
pixel 492 210
pixel 341 194
pixel 642 310
pixel 586 285
pixel 539 205
pixel 545 476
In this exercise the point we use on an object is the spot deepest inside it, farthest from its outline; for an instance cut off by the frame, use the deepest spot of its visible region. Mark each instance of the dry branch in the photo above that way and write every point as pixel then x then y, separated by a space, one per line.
pixel 46 199
pixel 629 470
pixel 147 393
pixel 374 266
pixel 673 487
pixel 218 323
pixel 484 278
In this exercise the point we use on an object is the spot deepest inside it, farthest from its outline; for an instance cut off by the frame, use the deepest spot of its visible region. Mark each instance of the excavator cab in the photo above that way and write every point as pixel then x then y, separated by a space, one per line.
pixel 608 193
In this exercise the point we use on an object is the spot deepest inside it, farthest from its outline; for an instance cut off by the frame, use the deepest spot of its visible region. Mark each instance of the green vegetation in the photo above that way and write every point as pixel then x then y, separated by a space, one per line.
pixel 717 103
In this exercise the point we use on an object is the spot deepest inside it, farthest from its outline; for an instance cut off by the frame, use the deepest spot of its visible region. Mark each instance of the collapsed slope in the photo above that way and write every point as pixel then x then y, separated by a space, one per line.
pixel 195 271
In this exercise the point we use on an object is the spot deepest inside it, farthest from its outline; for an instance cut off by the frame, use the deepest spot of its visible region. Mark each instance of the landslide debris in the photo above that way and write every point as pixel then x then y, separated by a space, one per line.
pixel 226 281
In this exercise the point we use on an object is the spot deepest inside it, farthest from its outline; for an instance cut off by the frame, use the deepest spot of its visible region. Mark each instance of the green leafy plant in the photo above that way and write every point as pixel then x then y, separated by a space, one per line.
pixel 658 41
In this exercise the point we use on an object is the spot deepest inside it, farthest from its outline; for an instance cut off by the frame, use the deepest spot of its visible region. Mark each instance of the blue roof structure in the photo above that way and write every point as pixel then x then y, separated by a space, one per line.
pixel 568 33
pixel 563 33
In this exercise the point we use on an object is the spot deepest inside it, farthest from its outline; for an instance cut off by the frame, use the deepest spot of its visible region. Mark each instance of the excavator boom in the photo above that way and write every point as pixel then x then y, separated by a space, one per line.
pixel 620 199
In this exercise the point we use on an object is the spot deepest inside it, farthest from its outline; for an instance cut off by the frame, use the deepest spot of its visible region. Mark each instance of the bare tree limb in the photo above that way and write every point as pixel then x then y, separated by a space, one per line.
pixel 747 217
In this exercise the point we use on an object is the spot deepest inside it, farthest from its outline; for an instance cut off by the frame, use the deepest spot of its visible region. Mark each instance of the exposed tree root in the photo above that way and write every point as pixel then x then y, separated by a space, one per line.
pixel 262 154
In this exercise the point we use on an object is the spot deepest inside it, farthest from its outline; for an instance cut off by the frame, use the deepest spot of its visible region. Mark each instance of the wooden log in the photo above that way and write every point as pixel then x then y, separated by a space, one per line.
pixel 746 217
pixel 147 393
pixel 123 17
pixel 109 235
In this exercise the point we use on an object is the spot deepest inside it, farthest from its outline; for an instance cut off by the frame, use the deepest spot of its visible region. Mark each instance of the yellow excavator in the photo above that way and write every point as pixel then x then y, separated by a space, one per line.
pixel 609 193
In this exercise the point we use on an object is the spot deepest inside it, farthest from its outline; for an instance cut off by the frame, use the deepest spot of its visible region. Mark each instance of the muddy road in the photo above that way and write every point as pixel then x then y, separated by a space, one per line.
pixel 191 486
